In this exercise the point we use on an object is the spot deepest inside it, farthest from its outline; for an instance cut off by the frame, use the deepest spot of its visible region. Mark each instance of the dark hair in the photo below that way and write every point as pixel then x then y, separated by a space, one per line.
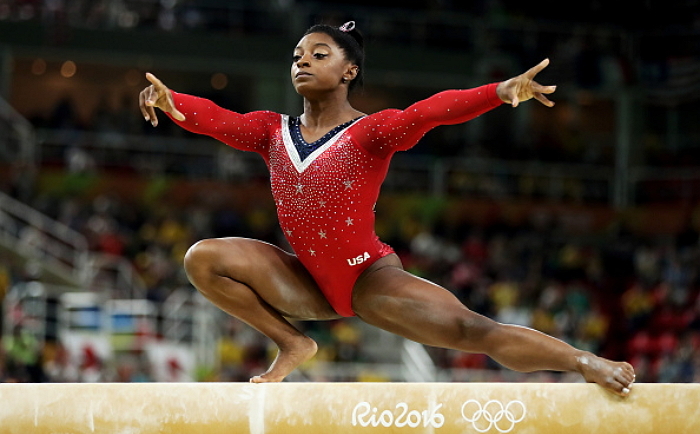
pixel 352 44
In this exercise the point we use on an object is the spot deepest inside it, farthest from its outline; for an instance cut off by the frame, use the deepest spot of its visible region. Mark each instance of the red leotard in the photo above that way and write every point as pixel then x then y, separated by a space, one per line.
pixel 325 203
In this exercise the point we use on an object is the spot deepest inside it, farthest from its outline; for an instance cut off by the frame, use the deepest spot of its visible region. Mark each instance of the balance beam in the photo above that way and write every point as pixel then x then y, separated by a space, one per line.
pixel 334 408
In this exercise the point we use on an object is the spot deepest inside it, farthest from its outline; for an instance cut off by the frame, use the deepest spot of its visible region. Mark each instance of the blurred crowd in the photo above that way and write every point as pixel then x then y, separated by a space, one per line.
pixel 592 62
pixel 620 294
pixel 263 16
pixel 626 297
pixel 616 294
pixel 599 46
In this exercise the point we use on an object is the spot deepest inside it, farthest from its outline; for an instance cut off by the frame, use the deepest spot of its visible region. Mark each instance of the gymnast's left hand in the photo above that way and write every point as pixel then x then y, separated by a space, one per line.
pixel 523 87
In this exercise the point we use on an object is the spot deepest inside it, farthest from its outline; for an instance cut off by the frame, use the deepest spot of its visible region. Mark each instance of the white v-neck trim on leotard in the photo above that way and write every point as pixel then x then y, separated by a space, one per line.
pixel 300 165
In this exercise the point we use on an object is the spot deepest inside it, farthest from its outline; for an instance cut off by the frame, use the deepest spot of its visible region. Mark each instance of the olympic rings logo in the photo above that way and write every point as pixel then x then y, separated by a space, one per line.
pixel 492 413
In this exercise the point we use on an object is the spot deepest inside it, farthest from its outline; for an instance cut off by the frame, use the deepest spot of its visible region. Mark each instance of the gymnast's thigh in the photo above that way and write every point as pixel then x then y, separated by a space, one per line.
pixel 397 301
pixel 276 276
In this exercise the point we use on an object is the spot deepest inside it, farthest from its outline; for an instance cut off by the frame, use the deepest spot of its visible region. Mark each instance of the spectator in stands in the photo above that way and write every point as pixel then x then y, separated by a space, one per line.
pixel 23 357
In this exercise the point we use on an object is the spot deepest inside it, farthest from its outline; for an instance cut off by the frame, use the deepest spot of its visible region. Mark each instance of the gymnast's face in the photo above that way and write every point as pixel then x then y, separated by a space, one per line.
pixel 319 66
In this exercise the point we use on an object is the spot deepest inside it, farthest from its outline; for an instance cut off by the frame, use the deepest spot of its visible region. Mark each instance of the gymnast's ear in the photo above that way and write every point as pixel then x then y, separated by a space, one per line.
pixel 350 74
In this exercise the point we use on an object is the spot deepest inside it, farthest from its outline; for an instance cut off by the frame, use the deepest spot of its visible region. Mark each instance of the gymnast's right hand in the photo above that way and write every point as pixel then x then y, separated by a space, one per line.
pixel 157 95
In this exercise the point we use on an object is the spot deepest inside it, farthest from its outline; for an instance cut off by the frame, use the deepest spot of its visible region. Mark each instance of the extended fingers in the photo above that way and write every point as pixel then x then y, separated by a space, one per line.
pixel 532 72
pixel 543 99
pixel 157 95
pixel 155 91
pixel 142 105
pixel 155 81
pixel 151 101
pixel 538 88
pixel 152 95
pixel 539 91
pixel 147 110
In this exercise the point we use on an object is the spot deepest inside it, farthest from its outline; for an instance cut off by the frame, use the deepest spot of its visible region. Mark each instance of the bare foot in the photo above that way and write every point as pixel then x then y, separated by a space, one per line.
pixel 287 360
pixel 616 377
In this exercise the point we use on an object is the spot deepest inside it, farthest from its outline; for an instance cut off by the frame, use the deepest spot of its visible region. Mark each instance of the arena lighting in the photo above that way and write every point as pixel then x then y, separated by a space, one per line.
pixel 356 408
pixel 219 81
pixel 68 69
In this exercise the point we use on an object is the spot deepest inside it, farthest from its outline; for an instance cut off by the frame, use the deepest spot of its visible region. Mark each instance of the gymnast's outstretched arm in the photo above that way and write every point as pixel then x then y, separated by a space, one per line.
pixel 244 131
pixel 398 130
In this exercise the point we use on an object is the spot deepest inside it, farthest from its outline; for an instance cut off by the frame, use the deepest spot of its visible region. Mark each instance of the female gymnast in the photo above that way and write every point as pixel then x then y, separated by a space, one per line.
pixel 326 167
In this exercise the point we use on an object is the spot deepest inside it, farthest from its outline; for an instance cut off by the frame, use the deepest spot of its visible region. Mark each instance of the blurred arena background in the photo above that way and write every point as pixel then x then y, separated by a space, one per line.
pixel 581 220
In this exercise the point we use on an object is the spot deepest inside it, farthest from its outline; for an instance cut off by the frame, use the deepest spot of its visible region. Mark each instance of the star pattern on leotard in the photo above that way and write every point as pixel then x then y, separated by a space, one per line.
pixel 325 192
pixel 321 203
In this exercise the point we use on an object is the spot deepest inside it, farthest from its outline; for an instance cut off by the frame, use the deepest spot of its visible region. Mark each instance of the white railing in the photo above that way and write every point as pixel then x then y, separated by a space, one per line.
pixel 17 137
pixel 178 316
pixel 417 365
pixel 25 307
pixel 189 319
pixel 114 274
pixel 64 251
pixel 35 236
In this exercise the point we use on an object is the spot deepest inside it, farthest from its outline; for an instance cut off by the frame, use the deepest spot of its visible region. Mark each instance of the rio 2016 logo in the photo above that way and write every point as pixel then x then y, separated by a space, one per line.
pixel 492 415
pixel 365 415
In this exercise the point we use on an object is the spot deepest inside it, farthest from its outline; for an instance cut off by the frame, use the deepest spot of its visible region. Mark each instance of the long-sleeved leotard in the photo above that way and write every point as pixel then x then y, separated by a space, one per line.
pixel 325 202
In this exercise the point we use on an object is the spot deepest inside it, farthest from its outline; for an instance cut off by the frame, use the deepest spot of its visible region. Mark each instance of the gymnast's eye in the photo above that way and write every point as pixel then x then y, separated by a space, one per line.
pixel 295 58
pixel 320 55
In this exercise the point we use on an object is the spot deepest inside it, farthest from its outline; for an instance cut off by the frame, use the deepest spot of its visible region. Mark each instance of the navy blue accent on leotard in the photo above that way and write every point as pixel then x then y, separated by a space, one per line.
pixel 304 149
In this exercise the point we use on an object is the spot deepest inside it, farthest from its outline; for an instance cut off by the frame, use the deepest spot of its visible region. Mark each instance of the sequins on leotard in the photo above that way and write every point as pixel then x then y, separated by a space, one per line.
pixel 325 200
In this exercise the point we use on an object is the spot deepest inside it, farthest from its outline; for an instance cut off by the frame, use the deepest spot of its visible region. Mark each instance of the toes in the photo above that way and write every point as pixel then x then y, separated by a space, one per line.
pixel 258 379
pixel 618 388
pixel 627 374
pixel 623 389
pixel 617 384
pixel 266 379
pixel 620 375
